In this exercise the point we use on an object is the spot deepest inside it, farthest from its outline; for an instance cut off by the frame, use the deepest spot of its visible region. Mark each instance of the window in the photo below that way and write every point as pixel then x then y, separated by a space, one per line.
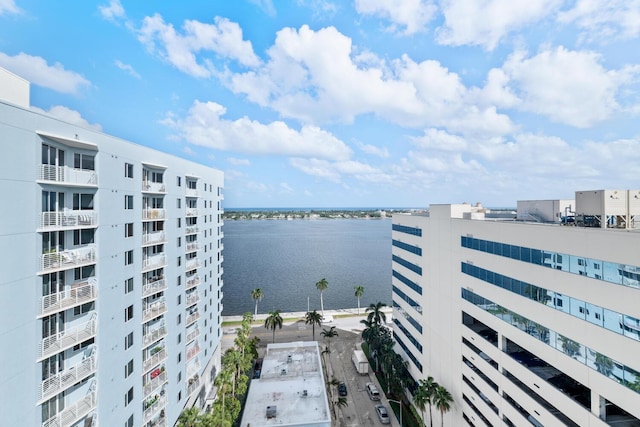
pixel 128 257
pixel 128 396
pixel 179 222
pixel 128 229
pixel 129 422
pixel 82 202
pixel 82 273
pixel 179 302
pixel 179 319
pixel 128 313
pixel 179 357
pixel 179 261
pixel 179 181
pixel 128 170
pixel 179 281
pixel 83 237
pixel 84 161
pixel 179 340
pixel 179 241
pixel 178 203
pixel 128 202
pixel 128 285
pixel 179 378
pixel 179 396
pixel 128 368
pixel 128 340
pixel 82 309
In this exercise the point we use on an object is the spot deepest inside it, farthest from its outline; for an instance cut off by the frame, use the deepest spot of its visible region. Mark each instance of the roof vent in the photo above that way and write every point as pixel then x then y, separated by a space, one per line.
pixel 304 393
pixel 289 359
pixel 271 411
pixel 283 372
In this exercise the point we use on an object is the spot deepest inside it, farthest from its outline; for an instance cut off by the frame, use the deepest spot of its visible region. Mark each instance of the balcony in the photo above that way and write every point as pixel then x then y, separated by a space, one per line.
pixel 63 260
pixel 151 214
pixel 191 192
pixel 153 187
pixel 153 287
pixel 78 294
pixel 150 337
pixel 154 384
pixel 159 355
pixel 192 318
pixel 153 262
pixel 66 339
pixel 154 238
pixel 66 378
pixel 193 385
pixel 192 335
pixel 191 212
pixel 153 407
pixel 193 352
pixel 72 414
pixel 154 310
pixel 161 421
pixel 191 230
pixel 68 219
pixel 65 175
pixel 192 298
pixel 193 368
pixel 192 281
pixel 192 247
pixel 192 264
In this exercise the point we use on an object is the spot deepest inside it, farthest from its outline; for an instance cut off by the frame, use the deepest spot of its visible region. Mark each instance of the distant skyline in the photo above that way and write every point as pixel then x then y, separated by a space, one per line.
pixel 359 103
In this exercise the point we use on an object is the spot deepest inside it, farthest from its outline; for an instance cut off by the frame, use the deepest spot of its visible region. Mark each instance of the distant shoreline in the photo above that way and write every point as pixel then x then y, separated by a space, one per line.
pixel 313 214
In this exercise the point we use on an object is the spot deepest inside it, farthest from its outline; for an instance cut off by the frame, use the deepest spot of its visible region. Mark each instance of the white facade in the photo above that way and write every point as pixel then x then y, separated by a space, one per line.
pixel 524 323
pixel 110 277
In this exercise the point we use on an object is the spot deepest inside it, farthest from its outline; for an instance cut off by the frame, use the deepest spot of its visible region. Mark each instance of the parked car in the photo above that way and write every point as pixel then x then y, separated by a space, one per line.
pixel 342 388
pixel 383 415
pixel 373 392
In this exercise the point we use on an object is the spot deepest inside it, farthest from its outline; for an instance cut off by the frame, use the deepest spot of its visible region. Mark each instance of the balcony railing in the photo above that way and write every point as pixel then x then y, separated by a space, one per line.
pixel 154 287
pixel 193 385
pixel 160 422
pixel 192 298
pixel 154 310
pixel 191 212
pixel 153 262
pixel 62 260
pixel 66 339
pixel 68 377
pixel 154 238
pixel 153 187
pixel 191 192
pixel 154 408
pixel 67 175
pixel 68 219
pixel 192 318
pixel 153 214
pixel 149 338
pixel 192 247
pixel 192 335
pixel 78 294
pixel 191 230
pixel 153 385
pixel 193 352
pixel 192 281
pixel 192 264
pixel 154 360
pixel 72 414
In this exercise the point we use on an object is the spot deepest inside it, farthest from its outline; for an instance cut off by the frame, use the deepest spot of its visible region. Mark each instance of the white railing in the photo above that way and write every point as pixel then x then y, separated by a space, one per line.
pixel 68 259
pixel 191 230
pixel 153 214
pixel 192 318
pixel 192 246
pixel 192 298
pixel 153 187
pixel 154 287
pixel 193 281
pixel 194 383
pixel 191 212
pixel 154 360
pixel 71 414
pixel 67 218
pixel 193 368
pixel 192 352
pixel 68 377
pixel 152 385
pixel 160 422
pixel 153 336
pixel 153 238
pixel 67 175
pixel 154 408
pixel 153 262
pixel 68 338
pixel 79 293
pixel 192 264
pixel 154 310
pixel 193 335
pixel 191 192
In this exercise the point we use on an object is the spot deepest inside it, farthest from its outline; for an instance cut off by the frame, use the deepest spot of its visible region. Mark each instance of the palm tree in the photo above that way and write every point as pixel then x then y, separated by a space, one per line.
pixel 376 314
pixel 273 321
pixel 370 331
pixel 314 318
pixel 428 387
pixel 442 399
pixel 322 286
pixel 190 417
pixel 328 334
pixel 257 296
pixel 359 291
pixel 420 400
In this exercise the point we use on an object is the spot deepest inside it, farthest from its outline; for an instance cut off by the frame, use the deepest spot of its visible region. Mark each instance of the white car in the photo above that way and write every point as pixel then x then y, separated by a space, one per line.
pixel 383 415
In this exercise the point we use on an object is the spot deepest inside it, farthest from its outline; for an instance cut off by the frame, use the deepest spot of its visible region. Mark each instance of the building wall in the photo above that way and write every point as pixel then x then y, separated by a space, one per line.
pixel 23 134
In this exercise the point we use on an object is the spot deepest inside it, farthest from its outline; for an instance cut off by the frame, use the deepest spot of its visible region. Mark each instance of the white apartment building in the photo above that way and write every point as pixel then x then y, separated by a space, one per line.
pixel 110 275
pixel 525 322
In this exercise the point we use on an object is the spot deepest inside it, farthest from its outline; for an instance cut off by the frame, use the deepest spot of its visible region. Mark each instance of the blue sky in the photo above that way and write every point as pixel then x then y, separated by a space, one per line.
pixel 365 103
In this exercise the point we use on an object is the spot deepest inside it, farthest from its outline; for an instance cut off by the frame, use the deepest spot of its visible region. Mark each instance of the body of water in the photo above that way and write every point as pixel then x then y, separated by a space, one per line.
pixel 287 258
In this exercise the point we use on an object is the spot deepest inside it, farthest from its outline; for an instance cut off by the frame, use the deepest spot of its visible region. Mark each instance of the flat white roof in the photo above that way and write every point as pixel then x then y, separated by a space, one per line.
pixel 291 380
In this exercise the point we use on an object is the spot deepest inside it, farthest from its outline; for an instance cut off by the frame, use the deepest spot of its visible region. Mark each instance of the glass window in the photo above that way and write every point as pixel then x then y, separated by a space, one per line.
pixel 128 229
pixel 128 202
pixel 128 170
pixel 128 340
pixel 128 257
pixel 128 313
pixel 84 161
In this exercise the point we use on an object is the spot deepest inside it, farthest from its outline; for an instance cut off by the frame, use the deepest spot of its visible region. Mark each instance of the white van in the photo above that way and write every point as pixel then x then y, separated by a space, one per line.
pixel 373 392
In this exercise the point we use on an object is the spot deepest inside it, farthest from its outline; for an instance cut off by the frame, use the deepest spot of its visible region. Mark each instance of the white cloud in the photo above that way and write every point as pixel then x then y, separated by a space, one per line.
pixel 320 8
pixel 440 140
pixel 36 70
pixel 605 19
pixel 335 170
pixel 205 126
pixel 223 38
pixel 286 188
pixel 127 68
pixel 113 11
pixel 238 162
pixel 266 6
pixel 487 22
pixel 407 16
pixel 8 7
pixel 69 115
pixel 382 152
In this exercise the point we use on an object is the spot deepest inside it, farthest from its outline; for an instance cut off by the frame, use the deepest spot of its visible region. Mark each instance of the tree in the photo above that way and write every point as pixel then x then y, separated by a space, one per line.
pixel 340 403
pixel 370 331
pixel 359 291
pixel 322 286
pixel 313 318
pixel 376 314
pixel 190 417
pixel 328 334
pixel 442 399
pixel 420 400
pixel 257 296
pixel 428 388
pixel 273 321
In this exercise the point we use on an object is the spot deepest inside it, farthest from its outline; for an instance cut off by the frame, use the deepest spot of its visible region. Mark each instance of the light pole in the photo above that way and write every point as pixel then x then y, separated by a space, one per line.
pixel 307 303
pixel 400 406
